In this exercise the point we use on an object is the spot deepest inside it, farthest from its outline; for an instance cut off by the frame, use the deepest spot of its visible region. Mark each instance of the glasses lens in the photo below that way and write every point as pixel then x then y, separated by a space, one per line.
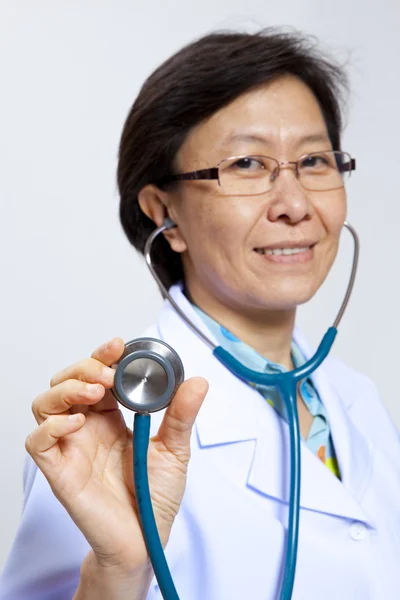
pixel 324 170
pixel 247 175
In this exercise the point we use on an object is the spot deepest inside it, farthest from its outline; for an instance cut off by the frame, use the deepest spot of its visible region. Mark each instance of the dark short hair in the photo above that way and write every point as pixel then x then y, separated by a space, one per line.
pixel 192 85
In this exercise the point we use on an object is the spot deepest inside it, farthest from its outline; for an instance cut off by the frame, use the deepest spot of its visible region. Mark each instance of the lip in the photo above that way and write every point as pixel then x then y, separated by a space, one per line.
pixel 290 259
pixel 300 244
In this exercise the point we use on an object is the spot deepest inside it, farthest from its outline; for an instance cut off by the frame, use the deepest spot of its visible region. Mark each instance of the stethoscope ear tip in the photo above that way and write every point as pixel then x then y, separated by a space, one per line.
pixel 169 223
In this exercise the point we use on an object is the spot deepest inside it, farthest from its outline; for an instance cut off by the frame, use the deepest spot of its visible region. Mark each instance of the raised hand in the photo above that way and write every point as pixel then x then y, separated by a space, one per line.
pixel 84 448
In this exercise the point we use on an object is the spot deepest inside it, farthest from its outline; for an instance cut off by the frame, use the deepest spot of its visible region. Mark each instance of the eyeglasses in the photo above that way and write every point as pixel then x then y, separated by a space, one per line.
pixel 252 175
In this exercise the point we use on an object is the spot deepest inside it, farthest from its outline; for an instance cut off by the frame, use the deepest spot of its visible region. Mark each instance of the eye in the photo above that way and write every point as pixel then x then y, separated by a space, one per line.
pixel 248 163
pixel 315 161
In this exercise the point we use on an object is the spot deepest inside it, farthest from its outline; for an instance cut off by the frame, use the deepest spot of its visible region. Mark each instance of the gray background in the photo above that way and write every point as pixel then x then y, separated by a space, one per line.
pixel 69 72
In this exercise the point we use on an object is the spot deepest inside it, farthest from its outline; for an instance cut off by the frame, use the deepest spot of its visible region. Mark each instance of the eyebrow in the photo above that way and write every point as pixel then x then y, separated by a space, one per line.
pixel 250 137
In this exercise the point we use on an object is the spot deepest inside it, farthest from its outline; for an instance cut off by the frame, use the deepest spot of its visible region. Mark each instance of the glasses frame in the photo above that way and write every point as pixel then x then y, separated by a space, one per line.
pixel 213 172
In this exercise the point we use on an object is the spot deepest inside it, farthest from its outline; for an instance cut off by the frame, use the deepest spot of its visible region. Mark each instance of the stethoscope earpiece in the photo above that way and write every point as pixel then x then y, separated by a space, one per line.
pixel 169 223
pixel 147 376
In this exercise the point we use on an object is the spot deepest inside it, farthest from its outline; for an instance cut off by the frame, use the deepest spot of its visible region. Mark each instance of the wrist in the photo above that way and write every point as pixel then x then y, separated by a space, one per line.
pixel 112 583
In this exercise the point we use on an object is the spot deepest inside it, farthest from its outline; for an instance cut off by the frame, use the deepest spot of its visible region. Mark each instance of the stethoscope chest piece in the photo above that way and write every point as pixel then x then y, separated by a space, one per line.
pixel 147 375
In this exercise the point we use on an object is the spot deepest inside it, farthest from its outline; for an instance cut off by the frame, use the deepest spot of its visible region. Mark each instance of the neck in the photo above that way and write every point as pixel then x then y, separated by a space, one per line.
pixel 268 332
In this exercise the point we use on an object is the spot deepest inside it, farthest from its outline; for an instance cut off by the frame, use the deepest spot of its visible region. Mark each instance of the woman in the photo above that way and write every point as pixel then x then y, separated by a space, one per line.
pixel 236 138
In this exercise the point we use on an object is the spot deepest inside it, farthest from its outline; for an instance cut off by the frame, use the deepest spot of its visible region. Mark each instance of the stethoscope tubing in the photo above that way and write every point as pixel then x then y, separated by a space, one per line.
pixel 292 541
pixel 141 436
pixel 168 224
pixel 147 519
pixel 286 383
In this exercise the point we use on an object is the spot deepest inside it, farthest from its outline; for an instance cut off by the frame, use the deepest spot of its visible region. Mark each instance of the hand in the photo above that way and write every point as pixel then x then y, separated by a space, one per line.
pixel 84 448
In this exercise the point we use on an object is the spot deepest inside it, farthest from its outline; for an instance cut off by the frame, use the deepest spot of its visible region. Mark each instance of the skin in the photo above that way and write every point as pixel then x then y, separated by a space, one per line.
pixel 84 448
pixel 82 444
pixel 253 297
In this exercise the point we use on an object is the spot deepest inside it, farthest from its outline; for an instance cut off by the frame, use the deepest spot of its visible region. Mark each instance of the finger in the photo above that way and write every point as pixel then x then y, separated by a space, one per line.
pixel 42 443
pixel 64 396
pixel 89 370
pixel 176 427
pixel 107 403
pixel 109 353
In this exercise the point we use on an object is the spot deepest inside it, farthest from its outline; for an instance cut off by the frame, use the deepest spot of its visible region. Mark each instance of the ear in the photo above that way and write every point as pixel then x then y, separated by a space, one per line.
pixel 156 204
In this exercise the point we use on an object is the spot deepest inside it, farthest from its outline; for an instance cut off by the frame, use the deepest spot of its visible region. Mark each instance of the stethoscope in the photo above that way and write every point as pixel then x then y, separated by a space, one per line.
pixel 146 379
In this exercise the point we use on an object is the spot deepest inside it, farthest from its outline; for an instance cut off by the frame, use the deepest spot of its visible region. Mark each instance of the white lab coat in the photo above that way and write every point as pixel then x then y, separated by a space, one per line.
pixel 228 539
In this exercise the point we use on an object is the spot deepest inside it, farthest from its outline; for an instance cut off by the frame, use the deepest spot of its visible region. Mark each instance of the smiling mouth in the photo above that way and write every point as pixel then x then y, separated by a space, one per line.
pixel 284 251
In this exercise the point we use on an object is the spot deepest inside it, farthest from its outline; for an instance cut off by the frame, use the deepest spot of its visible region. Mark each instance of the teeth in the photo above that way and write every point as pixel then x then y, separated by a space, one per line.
pixel 284 251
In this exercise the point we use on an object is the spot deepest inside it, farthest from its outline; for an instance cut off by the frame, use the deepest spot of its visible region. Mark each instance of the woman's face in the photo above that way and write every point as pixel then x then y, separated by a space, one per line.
pixel 220 237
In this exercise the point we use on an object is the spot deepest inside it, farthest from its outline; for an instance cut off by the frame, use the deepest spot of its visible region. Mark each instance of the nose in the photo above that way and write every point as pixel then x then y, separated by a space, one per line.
pixel 290 201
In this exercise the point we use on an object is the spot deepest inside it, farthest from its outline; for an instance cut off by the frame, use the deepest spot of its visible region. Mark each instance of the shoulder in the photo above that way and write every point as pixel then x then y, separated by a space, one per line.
pixel 363 403
pixel 359 396
pixel 344 378
pixel 150 331
pixel 349 383
pixel 359 390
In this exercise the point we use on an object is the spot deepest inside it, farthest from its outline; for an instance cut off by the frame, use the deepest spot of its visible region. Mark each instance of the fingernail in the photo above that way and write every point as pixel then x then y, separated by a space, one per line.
pixel 106 346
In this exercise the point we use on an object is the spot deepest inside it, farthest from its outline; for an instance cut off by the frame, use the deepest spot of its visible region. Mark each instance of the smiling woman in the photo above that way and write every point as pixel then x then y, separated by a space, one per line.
pixel 222 272
pixel 236 140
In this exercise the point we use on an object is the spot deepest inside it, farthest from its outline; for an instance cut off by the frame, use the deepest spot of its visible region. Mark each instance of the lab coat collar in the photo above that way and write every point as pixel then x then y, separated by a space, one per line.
pixel 234 412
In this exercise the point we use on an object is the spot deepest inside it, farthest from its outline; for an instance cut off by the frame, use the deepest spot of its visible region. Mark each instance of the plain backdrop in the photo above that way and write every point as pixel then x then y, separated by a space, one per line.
pixel 69 71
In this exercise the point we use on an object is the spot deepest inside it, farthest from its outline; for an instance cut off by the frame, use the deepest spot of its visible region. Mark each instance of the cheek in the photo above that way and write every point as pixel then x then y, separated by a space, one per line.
pixel 333 216
pixel 220 221
pixel 332 211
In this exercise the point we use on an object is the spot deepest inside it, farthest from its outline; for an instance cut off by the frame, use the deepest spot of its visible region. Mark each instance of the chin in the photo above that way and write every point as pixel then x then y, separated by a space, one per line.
pixel 286 298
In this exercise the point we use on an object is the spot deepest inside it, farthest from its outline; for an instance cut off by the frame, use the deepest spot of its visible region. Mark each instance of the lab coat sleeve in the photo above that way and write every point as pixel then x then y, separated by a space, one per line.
pixel 48 550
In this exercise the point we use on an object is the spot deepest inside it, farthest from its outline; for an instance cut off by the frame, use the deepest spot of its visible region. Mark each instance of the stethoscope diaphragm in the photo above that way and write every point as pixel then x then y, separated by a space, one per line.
pixel 147 376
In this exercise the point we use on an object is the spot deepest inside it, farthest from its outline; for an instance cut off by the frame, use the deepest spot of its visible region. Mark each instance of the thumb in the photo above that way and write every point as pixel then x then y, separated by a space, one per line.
pixel 176 427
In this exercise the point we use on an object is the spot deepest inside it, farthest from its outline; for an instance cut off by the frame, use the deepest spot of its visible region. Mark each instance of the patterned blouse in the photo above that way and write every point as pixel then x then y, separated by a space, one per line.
pixel 319 438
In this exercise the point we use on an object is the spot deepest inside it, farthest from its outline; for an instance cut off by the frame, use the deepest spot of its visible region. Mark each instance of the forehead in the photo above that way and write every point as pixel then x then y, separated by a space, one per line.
pixel 281 116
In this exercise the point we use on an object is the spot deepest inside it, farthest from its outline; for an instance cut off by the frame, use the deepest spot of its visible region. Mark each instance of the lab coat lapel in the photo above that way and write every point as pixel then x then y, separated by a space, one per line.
pixel 353 449
pixel 234 412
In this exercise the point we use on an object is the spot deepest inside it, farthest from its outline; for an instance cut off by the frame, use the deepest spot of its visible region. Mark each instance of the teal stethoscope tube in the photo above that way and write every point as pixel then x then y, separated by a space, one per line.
pixel 141 435
pixel 286 384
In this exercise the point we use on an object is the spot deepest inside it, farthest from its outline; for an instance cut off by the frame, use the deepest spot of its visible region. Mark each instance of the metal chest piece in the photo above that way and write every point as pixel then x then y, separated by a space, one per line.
pixel 147 376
